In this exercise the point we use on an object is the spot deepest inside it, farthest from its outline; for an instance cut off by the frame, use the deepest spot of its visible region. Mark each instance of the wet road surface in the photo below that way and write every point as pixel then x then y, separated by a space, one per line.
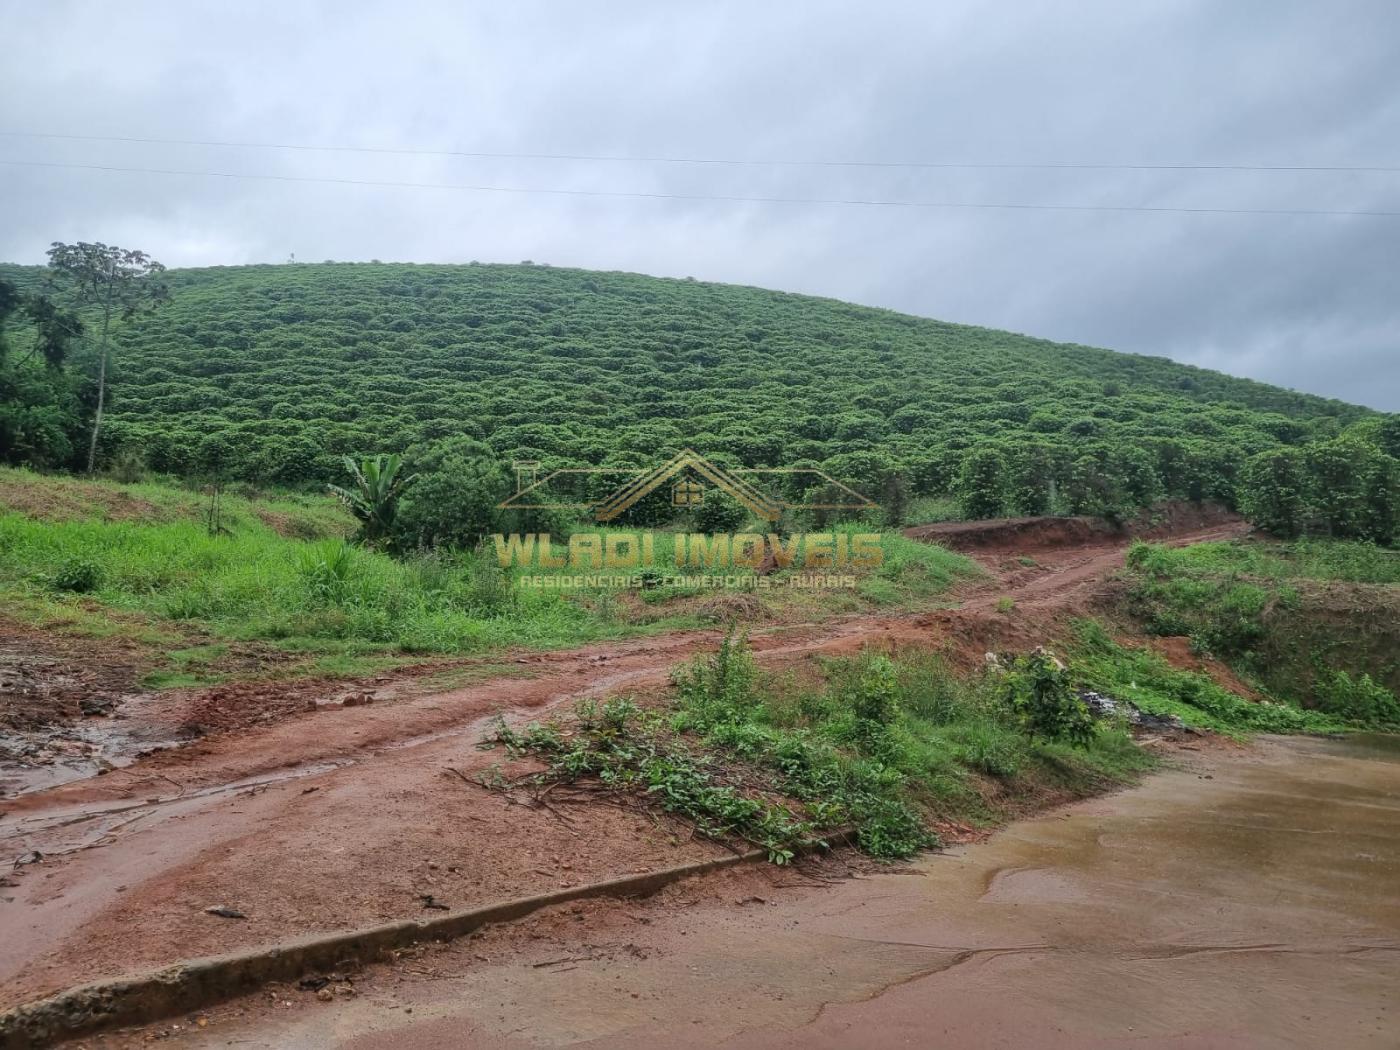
pixel 1252 900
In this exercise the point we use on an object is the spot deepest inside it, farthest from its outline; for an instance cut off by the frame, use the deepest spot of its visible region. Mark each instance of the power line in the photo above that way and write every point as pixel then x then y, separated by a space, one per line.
pixel 723 198
pixel 727 161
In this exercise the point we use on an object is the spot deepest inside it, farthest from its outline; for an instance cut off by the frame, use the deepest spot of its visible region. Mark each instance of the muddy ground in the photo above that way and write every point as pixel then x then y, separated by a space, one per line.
pixel 1245 899
pixel 311 809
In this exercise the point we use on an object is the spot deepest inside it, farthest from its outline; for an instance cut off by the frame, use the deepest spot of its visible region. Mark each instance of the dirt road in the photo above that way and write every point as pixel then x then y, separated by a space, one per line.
pixel 1244 902
pixel 337 818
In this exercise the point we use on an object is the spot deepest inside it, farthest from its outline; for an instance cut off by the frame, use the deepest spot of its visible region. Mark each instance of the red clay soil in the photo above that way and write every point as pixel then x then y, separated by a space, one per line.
pixel 1178 653
pixel 349 814
pixel 1239 900
pixel 1029 535
pixel 43 676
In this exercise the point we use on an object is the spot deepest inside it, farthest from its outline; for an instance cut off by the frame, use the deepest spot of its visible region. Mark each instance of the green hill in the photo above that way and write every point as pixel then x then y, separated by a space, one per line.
pixel 270 373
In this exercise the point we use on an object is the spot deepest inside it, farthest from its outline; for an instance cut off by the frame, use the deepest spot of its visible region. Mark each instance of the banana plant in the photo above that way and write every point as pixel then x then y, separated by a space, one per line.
pixel 374 496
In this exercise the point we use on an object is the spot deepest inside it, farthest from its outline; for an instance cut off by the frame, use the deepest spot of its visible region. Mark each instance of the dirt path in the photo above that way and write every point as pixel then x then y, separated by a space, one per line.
pixel 338 818
pixel 1247 901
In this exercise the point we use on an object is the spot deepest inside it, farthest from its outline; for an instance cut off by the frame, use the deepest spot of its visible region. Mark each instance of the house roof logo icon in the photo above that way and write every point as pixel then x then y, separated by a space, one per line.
pixel 533 491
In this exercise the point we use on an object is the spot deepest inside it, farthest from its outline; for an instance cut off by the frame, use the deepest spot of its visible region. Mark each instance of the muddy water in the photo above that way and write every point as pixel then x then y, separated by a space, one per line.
pixel 44 755
pixel 1251 900
pixel 38 759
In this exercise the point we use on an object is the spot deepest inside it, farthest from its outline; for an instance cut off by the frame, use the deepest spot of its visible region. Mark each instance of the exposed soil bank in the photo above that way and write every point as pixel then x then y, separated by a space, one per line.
pixel 1027 535
pixel 1253 900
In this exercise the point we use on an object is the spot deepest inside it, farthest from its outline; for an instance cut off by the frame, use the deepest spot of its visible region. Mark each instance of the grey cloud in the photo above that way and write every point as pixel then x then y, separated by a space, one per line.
pixel 1306 302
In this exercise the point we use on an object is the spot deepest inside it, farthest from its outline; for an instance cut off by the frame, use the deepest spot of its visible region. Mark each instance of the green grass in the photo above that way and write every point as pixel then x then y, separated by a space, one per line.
pixel 1293 616
pixel 188 667
pixel 1275 562
pixel 1205 593
pixel 911 573
pixel 52 497
pixel 139 561
pixel 304 596
pixel 1146 680
pixel 889 746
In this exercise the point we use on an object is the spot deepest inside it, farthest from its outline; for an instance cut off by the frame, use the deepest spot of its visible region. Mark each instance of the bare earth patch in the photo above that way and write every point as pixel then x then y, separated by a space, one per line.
pixel 316 816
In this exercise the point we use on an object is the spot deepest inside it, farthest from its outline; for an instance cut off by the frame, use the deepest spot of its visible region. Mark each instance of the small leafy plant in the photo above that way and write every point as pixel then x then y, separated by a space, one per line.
pixel 1038 691
pixel 77 575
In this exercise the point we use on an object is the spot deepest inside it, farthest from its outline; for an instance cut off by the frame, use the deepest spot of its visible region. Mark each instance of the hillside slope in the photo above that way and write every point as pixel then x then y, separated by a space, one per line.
pixel 269 372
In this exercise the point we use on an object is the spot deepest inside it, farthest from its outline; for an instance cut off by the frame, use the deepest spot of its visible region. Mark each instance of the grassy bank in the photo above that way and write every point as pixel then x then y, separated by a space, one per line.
pixel 894 746
pixel 1316 624
pixel 1146 680
pixel 60 498
pixel 897 746
pixel 1338 560
pixel 142 561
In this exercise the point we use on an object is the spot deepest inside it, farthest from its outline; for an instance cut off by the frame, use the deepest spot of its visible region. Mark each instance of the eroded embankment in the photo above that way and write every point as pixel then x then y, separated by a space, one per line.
pixel 1029 535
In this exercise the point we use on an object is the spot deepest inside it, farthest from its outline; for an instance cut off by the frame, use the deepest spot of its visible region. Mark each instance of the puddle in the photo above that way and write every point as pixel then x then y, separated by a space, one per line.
pixel 1383 747
pixel 47 756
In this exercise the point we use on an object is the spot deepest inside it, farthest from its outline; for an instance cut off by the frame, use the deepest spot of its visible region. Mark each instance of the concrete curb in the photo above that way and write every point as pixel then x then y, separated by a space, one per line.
pixel 196 983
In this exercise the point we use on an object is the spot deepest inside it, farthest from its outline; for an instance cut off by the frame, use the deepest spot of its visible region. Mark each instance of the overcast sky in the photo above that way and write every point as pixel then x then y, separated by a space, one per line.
pixel 1311 302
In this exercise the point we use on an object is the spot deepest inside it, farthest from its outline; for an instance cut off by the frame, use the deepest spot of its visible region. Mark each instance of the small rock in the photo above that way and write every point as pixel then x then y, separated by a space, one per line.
pixel 96 706
pixel 223 911
pixel 325 994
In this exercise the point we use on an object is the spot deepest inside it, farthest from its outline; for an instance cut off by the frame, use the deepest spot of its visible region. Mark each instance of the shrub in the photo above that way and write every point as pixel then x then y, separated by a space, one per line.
pixel 455 501
pixel 78 575
pixel 720 687
pixel 719 513
pixel 1038 692
pixel 128 466
pixel 981 483
pixel 1357 699
pixel 876 698
pixel 1273 491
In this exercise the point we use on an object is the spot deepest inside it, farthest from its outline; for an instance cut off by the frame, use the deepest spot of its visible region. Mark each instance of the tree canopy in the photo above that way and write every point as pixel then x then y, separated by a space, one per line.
pixel 276 372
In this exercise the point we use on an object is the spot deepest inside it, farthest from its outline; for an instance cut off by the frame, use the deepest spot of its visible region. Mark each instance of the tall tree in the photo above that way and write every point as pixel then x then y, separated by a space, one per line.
pixel 41 414
pixel 114 280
